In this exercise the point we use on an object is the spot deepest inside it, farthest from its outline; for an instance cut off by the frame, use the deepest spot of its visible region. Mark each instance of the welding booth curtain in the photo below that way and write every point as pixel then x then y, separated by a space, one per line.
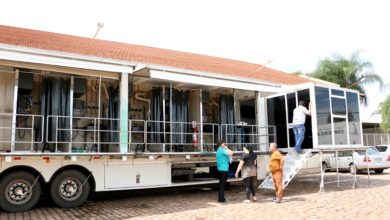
pixel 113 113
pixel 180 117
pixel 157 116
pixel 55 100
pixel 226 103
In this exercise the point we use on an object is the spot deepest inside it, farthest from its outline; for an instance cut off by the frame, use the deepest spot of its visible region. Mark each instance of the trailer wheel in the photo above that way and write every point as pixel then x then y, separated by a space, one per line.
pixel 67 189
pixel 19 191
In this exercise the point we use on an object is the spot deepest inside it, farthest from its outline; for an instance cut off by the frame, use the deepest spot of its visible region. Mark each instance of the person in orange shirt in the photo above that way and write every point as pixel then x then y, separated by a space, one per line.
pixel 276 167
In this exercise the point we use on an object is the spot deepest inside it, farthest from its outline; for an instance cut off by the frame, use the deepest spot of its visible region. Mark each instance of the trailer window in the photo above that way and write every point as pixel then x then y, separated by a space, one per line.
pixel 340 131
pixel 338 106
pixel 337 92
pixel 353 118
pixel 323 116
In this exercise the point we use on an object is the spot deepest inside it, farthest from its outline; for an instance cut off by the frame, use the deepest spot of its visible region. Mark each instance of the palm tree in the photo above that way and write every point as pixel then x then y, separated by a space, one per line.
pixel 384 109
pixel 351 72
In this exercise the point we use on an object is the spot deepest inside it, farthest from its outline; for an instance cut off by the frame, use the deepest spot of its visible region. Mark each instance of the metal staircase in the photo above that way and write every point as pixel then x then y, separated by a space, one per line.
pixel 292 164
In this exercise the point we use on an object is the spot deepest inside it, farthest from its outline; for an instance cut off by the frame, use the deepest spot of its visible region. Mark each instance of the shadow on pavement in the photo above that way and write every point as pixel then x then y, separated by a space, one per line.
pixel 310 183
pixel 146 202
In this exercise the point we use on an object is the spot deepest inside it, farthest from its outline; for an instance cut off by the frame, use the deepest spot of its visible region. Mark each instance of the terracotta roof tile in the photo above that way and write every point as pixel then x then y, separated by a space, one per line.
pixel 142 54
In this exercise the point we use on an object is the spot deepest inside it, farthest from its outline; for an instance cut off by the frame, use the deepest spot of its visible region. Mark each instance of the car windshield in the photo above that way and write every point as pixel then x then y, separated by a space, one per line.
pixel 370 151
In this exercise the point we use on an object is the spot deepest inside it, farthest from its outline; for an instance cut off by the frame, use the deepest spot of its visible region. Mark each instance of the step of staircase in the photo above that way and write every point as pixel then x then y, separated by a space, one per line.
pixel 292 164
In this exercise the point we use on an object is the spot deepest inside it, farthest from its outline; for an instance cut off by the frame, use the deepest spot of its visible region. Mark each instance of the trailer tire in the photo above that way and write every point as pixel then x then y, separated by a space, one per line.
pixel 18 191
pixel 67 190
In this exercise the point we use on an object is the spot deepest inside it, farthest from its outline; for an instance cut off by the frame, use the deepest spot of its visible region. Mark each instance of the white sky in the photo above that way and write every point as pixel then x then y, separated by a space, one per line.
pixel 294 35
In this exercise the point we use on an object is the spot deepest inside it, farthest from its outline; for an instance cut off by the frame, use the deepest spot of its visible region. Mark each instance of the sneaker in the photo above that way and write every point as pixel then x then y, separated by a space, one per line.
pixel 277 200
pixel 246 201
pixel 254 199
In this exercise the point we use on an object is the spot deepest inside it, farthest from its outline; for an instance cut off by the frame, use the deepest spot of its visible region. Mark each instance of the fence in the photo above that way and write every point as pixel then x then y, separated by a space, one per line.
pixel 375 139
pixel 90 134
pixel 27 129
pixel 172 136
pixel 91 137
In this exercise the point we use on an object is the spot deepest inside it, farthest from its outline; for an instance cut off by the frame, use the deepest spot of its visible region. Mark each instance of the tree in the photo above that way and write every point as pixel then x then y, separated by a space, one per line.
pixel 384 109
pixel 352 73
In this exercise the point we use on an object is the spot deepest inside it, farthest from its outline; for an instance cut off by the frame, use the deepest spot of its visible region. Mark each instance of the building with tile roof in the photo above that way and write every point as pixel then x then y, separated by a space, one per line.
pixel 74 46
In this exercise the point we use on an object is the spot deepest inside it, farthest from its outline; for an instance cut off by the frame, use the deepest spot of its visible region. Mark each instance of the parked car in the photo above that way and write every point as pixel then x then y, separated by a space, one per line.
pixel 375 161
pixel 384 149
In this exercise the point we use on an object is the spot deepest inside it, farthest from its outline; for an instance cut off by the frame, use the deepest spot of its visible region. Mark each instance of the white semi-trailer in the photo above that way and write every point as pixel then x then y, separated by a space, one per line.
pixel 79 119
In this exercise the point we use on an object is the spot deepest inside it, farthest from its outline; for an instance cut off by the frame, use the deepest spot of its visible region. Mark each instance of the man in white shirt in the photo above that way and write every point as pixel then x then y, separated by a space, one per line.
pixel 299 119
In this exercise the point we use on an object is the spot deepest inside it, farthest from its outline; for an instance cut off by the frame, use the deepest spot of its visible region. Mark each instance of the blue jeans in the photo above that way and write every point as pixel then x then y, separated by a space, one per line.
pixel 299 135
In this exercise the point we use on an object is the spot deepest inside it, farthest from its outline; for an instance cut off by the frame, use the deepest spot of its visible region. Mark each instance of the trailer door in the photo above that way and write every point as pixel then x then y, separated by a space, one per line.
pixel 280 110
pixel 277 116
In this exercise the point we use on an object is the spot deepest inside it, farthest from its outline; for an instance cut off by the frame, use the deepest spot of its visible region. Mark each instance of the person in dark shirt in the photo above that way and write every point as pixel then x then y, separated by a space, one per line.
pixel 247 166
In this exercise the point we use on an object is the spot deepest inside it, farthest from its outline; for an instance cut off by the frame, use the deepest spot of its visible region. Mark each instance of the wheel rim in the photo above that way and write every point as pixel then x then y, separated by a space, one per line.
pixel 70 189
pixel 18 192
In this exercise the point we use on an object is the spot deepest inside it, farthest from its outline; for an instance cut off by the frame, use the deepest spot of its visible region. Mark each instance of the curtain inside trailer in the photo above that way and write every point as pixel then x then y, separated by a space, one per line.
pixel 180 117
pixel 156 125
pixel 55 101
pixel 113 113
pixel 226 104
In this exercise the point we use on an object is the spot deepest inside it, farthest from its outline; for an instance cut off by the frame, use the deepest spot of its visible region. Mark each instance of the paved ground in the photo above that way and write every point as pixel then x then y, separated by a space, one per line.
pixel 302 201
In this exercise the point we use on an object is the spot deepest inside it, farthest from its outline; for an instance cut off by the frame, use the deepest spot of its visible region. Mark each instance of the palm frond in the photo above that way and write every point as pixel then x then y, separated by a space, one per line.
pixel 373 78
pixel 385 113
pixel 351 72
